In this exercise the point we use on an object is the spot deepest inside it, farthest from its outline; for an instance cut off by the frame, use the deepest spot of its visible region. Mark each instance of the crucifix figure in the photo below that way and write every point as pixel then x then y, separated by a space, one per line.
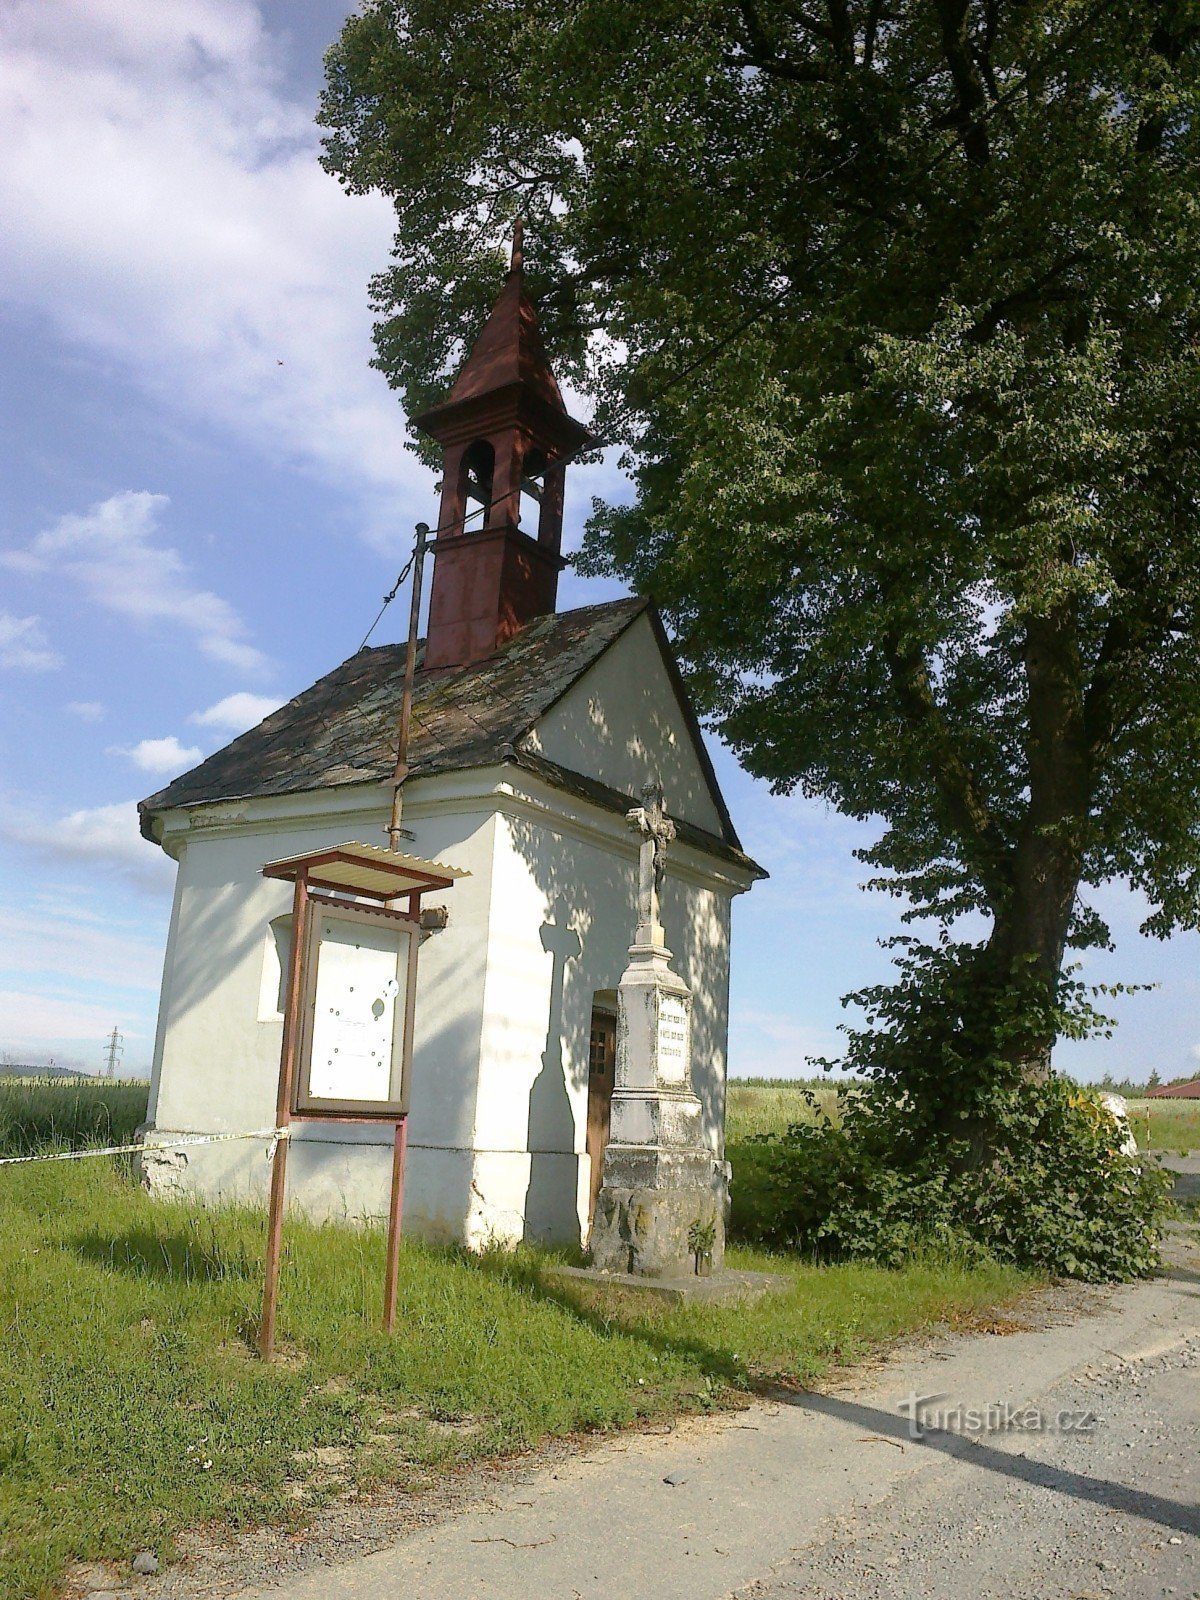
pixel 650 819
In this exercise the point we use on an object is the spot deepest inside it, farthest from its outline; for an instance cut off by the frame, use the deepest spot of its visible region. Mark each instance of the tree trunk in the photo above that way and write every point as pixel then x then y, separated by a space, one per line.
pixel 1029 934
pixel 1027 943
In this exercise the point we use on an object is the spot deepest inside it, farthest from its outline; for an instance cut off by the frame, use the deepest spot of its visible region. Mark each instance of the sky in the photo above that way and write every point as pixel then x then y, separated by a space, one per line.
pixel 206 492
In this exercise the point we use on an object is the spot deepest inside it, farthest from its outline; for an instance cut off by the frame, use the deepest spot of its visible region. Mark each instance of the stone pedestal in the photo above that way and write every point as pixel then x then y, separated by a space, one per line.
pixel 662 1202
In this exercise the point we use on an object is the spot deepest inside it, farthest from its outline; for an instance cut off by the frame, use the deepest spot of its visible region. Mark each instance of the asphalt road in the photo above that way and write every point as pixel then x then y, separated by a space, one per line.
pixel 1187 1174
pixel 1106 1507
pixel 829 1495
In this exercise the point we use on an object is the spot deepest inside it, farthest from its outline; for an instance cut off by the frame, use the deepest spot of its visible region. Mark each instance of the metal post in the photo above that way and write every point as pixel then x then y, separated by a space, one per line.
pixel 283 1116
pixel 410 667
pixel 396 1205
pixel 395 1215
pixel 399 1149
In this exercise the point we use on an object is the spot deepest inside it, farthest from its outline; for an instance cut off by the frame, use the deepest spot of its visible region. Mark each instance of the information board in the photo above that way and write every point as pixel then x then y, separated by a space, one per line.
pixel 356 1044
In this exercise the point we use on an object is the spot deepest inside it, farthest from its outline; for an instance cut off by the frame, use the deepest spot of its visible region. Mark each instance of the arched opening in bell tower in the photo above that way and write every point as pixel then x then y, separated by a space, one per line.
pixel 533 476
pixel 478 477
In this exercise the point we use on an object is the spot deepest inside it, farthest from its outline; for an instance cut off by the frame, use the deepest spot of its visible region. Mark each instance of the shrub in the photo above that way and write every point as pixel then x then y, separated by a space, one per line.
pixel 1054 1193
pixel 952 1141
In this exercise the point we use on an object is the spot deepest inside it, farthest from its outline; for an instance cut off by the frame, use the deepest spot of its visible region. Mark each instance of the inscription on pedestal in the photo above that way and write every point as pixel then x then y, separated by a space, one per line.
pixel 673 1023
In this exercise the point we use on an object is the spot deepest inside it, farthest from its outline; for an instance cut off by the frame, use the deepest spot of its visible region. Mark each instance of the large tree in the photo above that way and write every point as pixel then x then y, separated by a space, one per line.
pixel 894 307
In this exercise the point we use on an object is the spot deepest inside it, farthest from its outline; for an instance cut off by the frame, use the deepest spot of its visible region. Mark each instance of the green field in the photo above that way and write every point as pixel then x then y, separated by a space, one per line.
pixel 132 1404
pixel 1165 1125
pixel 769 1107
pixel 41 1113
pixel 753 1108
pixel 45 1113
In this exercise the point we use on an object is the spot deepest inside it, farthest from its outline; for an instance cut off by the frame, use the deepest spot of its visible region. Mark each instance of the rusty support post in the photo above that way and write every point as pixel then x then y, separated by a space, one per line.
pixel 283 1116
pixel 410 668
pixel 395 1216
pixel 396 1206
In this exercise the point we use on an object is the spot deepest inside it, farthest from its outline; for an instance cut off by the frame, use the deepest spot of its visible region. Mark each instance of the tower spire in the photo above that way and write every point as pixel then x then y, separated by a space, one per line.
pixel 506 436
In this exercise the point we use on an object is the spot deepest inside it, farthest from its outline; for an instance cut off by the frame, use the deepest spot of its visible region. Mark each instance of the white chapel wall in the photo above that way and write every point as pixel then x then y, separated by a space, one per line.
pixel 497 1144
pixel 217 1058
pixel 621 723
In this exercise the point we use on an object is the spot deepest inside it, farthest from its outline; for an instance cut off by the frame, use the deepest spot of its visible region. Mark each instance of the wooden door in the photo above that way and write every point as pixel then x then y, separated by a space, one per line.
pixel 602 1064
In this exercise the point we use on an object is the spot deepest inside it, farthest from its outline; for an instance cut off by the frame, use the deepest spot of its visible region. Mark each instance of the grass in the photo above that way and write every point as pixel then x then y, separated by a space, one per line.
pixel 770 1105
pixel 132 1405
pixel 48 1113
pixel 1165 1125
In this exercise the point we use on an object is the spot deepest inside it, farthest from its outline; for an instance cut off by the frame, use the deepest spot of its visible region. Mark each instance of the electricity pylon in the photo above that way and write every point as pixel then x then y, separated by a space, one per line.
pixel 114 1047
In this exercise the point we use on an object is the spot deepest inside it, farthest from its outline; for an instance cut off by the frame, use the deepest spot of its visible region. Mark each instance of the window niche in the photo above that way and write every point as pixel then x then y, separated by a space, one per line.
pixel 277 955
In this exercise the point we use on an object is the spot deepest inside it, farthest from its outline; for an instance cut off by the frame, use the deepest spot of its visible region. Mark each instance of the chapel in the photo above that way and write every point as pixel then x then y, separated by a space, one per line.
pixel 534 731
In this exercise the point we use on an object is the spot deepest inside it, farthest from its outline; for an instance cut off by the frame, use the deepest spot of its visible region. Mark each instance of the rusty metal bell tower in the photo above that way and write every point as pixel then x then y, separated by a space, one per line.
pixel 505 434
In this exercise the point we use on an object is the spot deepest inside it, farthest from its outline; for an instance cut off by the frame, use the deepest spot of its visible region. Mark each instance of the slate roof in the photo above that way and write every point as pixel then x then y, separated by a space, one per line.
pixel 342 730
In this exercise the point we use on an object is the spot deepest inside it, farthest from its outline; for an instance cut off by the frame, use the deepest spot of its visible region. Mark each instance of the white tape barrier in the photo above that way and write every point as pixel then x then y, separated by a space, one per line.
pixel 273 1134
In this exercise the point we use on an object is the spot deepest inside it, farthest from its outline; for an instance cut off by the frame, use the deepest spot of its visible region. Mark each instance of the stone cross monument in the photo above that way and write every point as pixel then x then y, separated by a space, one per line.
pixel 650 819
pixel 661 1208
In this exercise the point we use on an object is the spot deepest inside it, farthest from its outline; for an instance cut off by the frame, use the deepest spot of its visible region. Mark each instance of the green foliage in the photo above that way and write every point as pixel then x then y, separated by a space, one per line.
pixel 899 324
pixel 947 1145
pixel 701 1236
pixel 946 1039
pixel 785 1184
pixel 132 1404
pixel 1055 1195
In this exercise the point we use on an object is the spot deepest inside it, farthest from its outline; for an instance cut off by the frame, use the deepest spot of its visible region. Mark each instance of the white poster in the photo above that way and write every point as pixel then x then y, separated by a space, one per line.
pixel 358 1010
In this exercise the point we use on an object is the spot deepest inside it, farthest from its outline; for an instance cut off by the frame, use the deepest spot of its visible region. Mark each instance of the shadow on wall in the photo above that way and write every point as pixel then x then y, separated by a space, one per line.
pixel 552 1193
pixel 591 898
pixel 211 944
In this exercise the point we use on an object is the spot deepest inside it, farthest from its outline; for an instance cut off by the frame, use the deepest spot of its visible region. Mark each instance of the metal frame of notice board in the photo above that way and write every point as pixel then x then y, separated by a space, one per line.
pixel 310 1097
pixel 354 883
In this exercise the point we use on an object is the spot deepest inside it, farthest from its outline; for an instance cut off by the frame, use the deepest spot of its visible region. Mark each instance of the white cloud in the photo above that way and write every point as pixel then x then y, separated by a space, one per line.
pixel 165 757
pixel 237 712
pixel 31 1017
pixel 771 1044
pixel 164 206
pixel 112 553
pixel 24 646
pixel 57 943
pixel 86 710
pixel 98 835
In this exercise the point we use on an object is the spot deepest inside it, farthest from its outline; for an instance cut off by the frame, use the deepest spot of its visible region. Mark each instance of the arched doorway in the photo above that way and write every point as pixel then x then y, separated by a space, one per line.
pixel 602 1069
